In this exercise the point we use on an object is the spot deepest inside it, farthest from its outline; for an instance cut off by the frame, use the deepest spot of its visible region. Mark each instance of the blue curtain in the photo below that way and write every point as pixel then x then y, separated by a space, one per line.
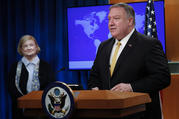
pixel 47 21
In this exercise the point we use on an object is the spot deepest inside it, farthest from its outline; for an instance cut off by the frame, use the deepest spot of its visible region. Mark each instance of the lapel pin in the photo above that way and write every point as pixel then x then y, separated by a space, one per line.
pixel 130 45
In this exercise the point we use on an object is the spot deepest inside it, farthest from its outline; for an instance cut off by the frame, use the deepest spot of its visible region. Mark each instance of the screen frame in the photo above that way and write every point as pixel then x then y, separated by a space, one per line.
pixel 88 69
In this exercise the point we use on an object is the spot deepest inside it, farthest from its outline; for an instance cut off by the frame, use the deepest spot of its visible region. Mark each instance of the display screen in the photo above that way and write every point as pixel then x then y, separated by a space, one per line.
pixel 88 27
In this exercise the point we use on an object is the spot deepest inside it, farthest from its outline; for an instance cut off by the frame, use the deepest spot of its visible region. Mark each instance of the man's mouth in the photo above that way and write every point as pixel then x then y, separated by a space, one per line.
pixel 112 29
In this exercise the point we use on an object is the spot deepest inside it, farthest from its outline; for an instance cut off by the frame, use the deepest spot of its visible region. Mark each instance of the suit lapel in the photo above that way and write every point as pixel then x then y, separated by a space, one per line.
pixel 108 53
pixel 126 51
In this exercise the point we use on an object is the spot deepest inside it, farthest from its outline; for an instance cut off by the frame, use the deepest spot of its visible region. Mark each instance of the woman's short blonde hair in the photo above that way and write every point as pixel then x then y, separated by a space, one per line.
pixel 22 40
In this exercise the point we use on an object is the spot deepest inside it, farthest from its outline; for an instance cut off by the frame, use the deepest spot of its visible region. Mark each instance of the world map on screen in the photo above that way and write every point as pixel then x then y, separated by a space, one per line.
pixel 94 21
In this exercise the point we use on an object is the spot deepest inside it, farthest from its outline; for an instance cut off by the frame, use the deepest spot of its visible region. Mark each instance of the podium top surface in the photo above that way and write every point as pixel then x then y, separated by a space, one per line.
pixel 90 99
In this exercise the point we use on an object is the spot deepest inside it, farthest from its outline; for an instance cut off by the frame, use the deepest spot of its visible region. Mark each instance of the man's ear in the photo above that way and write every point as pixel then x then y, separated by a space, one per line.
pixel 131 20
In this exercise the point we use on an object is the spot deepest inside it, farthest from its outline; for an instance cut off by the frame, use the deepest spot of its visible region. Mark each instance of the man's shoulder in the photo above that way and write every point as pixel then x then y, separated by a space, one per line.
pixel 147 42
pixel 144 37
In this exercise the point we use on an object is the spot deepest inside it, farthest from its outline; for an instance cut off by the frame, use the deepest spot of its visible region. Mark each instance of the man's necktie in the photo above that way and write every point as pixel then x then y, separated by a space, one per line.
pixel 114 58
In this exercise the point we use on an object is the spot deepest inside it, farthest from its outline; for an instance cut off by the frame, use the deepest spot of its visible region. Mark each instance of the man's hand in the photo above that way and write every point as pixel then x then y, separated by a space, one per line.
pixel 122 87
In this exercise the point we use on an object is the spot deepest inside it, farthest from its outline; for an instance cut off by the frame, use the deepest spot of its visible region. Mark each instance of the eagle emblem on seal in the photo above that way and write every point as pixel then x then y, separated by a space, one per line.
pixel 57 101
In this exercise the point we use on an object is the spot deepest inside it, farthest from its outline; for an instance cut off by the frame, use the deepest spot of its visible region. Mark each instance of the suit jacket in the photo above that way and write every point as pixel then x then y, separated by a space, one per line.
pixel 142 63
pixel 46 76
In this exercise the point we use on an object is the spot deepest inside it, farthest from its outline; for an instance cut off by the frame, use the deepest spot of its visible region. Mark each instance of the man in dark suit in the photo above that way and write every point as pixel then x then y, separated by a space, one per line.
pixel 137 64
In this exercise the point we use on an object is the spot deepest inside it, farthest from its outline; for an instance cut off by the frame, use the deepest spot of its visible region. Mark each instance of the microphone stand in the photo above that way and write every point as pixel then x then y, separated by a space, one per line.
pixel 72 86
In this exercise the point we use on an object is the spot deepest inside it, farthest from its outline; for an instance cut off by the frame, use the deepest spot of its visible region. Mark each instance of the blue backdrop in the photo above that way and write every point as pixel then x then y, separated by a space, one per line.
pixel 47 21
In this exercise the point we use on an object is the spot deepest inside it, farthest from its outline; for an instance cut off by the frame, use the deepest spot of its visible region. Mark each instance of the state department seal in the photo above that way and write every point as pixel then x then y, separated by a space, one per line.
pixel 58 100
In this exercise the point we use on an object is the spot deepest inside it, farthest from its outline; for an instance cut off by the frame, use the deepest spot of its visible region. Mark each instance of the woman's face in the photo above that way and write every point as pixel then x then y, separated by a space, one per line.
pixel 29 48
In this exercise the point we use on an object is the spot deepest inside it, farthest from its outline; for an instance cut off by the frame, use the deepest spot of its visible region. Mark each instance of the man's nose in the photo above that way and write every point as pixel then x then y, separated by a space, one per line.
pixel 111 22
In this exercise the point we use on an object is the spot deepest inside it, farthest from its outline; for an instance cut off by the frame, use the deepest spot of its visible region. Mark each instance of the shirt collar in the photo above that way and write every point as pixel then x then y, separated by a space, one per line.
pixel 34 61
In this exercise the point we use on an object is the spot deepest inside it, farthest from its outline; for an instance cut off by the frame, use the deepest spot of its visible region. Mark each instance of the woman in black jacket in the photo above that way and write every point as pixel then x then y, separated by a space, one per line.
pixel 29 74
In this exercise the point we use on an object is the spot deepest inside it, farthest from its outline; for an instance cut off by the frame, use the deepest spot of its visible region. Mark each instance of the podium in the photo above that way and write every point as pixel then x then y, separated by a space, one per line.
pixel 92 104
